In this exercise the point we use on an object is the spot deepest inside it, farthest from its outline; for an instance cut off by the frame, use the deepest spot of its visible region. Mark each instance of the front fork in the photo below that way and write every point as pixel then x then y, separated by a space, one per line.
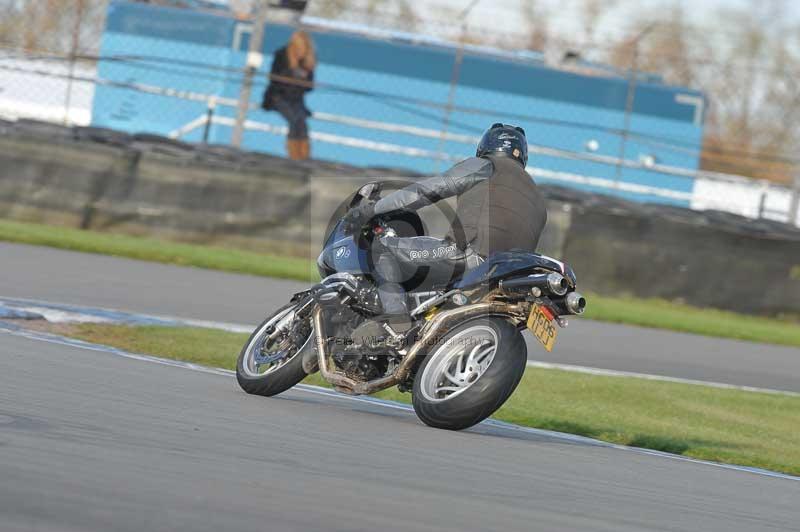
pixel 286 322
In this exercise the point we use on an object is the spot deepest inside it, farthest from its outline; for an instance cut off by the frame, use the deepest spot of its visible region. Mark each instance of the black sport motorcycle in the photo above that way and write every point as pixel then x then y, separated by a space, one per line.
pixel 461 361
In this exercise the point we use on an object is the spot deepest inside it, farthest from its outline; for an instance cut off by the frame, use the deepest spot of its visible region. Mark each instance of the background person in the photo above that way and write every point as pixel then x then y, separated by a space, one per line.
pixel 291 77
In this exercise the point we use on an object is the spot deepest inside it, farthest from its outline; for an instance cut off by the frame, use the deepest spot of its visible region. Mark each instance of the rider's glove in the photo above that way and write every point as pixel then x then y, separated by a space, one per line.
pixel 358 216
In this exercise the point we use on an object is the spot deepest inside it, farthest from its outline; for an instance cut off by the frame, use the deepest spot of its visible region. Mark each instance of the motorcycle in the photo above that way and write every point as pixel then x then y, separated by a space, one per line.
pixel 463 358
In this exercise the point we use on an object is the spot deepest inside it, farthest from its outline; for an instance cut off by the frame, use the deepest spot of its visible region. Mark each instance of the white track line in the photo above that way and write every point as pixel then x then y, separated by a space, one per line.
pixel 43 307
pixel 661 378
pixel 61 340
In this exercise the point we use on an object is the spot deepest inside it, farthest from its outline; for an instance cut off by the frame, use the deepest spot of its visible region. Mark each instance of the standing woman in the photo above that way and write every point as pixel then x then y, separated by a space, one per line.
pixel 291 77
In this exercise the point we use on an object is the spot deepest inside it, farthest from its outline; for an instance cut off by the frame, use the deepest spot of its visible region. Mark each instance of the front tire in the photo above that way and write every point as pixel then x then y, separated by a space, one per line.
pixel 268 379
pixel 468 375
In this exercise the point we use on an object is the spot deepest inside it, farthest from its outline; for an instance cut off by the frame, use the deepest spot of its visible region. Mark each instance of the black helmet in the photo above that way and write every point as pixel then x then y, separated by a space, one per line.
pixel 507 140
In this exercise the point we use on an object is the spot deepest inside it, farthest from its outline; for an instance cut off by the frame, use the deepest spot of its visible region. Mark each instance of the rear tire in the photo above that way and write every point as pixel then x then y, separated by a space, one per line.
pixel 284 375
pixel 453 391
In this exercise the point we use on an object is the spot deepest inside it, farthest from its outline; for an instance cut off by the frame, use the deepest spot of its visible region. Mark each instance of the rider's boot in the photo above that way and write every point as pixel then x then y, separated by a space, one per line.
pixel 293 149
pixel 304 149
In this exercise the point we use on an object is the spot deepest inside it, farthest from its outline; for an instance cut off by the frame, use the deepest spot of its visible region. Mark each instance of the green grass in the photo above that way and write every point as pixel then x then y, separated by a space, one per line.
pixel 662 314
pixel 155 250
pixel 649 313
pixel 745 428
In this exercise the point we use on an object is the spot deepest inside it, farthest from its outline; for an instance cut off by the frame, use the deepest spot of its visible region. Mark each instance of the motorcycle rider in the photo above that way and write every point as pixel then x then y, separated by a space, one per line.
pixel 499 209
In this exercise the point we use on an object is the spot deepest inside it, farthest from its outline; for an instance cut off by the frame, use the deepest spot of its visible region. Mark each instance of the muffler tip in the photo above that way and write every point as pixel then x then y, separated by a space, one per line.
pixel 575 303
pixel 557 284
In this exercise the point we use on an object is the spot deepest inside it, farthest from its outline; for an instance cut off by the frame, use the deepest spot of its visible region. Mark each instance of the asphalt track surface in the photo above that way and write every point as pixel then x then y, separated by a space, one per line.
pixel 94 442
pixel 136 286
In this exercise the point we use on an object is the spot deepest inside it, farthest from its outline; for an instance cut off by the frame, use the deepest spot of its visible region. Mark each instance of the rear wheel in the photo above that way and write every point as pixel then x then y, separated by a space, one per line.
pixel 469 374
pixel 271 361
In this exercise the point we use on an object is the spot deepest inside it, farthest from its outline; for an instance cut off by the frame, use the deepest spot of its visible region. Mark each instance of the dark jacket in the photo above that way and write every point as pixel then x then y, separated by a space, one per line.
pixel 499 205
pixel 284 90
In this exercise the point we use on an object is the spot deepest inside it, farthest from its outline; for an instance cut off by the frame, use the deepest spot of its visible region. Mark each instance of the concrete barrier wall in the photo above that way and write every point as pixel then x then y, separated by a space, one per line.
pixel 703 260
pixel 100 179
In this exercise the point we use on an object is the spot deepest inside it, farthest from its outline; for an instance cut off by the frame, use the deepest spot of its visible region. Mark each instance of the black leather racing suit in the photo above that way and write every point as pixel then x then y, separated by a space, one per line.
pixel 499 209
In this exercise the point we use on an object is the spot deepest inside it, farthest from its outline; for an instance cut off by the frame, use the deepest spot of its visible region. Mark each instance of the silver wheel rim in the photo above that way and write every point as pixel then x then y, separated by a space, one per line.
pixel 250 365
pixel 459 363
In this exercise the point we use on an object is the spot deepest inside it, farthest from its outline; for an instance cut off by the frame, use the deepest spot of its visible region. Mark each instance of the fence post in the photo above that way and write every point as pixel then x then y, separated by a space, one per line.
pixel 212 106
pixel 762 202
pixel 794 206
pixel 450 102
pixel 254 60
pixel 633 77
pixel 76 42
pixel 451 96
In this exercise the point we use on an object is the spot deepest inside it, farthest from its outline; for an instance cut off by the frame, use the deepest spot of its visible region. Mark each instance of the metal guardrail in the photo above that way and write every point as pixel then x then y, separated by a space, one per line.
pixel 566 178
pixel 549 175
pixel 471 140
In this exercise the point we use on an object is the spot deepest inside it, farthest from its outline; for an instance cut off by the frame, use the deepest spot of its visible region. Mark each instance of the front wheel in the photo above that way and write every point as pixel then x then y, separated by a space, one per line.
pixel 271 361
pixel 469 374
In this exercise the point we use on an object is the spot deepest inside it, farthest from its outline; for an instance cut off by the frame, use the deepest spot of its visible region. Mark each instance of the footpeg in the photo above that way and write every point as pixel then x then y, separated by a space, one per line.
pixel 395 338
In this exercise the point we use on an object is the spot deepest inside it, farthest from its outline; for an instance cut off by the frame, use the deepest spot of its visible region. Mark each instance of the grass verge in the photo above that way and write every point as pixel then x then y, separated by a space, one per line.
pixel 649 313
pixel 155 250
pixel 731 426
pixel 660 314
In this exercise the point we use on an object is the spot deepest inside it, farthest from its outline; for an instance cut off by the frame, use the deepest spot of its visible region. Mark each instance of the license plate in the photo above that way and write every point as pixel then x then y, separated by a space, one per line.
pixel 543 327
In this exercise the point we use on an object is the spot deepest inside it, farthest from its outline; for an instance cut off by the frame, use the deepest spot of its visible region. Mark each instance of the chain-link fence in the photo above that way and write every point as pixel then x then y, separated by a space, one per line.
pixel 650 116
pixel 47 58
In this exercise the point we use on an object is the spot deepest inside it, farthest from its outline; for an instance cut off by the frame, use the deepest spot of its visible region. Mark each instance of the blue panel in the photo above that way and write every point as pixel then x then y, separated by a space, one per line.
pixel 560 86
pixel 132 110
pixel 169 23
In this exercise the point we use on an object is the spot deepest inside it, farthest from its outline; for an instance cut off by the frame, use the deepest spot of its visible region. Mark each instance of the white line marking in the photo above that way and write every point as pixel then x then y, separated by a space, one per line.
pixel 697 102
pixel 61 340
pixel 630 374
pixel 66 308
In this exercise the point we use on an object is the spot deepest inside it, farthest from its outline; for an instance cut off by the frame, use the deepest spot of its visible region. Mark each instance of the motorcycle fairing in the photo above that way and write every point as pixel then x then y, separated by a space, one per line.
pixel 342 254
